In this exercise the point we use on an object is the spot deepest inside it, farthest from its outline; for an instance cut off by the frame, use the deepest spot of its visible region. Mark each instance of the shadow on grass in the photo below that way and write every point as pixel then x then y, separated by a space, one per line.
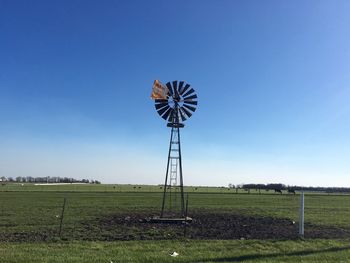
pixel 272 255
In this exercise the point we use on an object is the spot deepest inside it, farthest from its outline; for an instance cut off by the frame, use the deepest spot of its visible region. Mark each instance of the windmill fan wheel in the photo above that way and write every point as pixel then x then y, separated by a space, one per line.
pixel 181 102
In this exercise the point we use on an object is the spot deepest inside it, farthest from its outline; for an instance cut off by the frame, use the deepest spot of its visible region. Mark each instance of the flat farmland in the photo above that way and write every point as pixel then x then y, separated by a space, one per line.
pixel 109 222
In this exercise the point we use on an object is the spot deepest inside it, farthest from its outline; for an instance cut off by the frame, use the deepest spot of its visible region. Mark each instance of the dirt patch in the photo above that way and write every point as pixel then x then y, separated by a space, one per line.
pixel 210 226
pixel 205 225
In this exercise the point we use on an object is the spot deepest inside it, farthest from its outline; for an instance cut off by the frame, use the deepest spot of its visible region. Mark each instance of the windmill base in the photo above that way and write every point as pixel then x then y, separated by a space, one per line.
pixel 168 220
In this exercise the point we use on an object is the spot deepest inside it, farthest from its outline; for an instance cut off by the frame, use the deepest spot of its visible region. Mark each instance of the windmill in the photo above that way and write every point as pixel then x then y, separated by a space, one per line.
pixel 175 102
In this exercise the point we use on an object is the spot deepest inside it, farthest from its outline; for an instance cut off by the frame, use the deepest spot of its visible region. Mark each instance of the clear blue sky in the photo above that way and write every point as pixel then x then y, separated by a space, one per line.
pixel 272 77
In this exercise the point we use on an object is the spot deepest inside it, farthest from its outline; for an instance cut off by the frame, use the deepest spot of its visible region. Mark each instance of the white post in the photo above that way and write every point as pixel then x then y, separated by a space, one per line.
pixel 301 215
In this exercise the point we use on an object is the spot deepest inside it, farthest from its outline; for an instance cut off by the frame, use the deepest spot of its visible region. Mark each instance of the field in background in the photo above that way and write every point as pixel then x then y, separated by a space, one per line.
pixel 80 187
pixel 29 209
pixel 116 188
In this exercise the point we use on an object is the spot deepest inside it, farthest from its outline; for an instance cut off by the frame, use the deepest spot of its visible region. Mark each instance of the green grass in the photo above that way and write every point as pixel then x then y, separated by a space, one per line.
pixel 28 208
pixel 189 251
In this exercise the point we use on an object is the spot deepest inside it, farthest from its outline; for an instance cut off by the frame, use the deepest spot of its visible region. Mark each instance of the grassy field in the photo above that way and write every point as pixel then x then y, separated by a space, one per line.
pixel 30 208
pixel 116 188
pixel 189 251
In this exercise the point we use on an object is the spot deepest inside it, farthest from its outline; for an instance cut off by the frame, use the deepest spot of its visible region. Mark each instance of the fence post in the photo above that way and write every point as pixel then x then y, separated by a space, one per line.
pixel 186 213
pixel 301 215
pixel 62 214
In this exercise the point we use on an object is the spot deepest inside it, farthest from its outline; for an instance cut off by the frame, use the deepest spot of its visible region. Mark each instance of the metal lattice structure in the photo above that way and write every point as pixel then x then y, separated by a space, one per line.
pixel 180 103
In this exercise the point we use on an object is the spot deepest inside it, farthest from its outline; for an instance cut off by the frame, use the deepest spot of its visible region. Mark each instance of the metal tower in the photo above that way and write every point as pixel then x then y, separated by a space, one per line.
pixel 174 102
pixel 173 194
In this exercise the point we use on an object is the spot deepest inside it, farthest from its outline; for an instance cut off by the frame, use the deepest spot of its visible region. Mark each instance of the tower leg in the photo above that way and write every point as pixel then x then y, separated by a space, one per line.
pixel 181 178
pixel 166 174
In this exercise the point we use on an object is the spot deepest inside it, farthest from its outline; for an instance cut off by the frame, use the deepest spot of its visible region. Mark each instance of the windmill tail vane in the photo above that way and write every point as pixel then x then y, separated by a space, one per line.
pixel 159 90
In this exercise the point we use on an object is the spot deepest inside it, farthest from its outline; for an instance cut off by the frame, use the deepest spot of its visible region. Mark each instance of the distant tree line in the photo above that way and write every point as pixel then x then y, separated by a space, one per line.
pixel 47 179
pixel 292 187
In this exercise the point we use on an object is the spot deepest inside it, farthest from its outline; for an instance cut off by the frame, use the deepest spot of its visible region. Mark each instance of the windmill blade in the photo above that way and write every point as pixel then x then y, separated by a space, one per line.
pixel 160 100
pixel 185 88
pixel 170 88
pixel 166 114
pixel 175 84
pixel 176 91
pixel 189 107
pixel 188 92
pixel 188 113
pixel 183 118
pixel 173 117
pixel 191 97
pixel 180 86
pixel 178 115
pixel 190 102
pixel 161 105
pixel 161 111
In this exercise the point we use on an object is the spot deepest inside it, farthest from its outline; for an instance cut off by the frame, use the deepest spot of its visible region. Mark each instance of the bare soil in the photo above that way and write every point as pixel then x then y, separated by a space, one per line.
pixel 209 225
pixel 205 225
